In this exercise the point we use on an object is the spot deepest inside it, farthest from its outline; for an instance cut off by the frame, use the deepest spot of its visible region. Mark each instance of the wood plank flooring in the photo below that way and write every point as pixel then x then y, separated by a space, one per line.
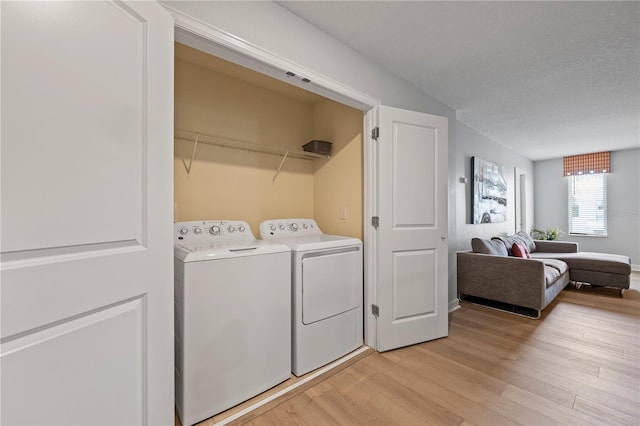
pixel 578 365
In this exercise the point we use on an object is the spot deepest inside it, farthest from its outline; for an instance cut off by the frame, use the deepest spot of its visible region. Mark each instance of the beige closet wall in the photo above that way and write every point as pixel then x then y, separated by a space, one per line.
pixel 338 182
pixel 227 183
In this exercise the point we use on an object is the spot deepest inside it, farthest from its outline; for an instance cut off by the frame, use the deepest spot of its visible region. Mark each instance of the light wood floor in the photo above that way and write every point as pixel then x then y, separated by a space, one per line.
pixel 578 365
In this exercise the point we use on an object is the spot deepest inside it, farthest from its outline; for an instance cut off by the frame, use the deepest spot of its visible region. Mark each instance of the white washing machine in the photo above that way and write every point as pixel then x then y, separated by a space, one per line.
pixel 232 316
pixel 327 291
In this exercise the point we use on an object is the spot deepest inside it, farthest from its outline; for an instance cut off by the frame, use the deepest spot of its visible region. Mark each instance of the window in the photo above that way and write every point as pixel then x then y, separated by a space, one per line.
pixel 588 204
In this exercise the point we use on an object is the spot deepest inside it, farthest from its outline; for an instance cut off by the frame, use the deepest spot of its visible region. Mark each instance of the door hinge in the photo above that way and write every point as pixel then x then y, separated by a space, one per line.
pixel 375 310
pixel 375 133
pixel 375 221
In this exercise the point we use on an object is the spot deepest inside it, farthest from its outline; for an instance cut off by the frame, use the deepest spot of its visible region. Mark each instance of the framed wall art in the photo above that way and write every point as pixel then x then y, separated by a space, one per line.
pixel 489 192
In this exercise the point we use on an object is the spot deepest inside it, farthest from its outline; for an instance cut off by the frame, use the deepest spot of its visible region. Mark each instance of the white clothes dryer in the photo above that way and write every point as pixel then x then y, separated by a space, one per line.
pixel 327 291
pixel 232 316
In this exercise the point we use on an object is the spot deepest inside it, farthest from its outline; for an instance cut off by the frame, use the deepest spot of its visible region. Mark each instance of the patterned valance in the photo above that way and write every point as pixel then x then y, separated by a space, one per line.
pixel 597 162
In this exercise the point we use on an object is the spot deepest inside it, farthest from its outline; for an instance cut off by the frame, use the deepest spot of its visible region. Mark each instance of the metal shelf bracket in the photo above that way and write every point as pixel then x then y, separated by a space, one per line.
pixel 193 154
pixel 284 157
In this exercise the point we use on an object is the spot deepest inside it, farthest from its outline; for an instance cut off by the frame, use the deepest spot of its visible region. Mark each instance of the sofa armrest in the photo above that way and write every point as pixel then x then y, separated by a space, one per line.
pixel 505 279
pixel 556 246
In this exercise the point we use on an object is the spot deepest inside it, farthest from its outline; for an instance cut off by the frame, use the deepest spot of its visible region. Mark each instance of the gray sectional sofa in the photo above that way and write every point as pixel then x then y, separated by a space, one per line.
pixel 490 272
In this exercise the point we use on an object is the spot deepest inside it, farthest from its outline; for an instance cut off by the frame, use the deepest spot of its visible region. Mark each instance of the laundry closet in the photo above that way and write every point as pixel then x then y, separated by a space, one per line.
pixel 222 103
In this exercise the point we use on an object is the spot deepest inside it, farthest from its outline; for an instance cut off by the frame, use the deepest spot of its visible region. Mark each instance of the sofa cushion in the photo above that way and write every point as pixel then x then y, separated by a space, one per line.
pixel 559 265
pixel 553 269
pixel 516 238
pixel 526 238
pixel 496 248
pixel 600 262
pixel 520 250
pixel 550 275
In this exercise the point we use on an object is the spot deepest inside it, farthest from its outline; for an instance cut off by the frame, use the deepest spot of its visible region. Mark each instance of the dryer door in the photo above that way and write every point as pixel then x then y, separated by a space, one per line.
pixel 331 283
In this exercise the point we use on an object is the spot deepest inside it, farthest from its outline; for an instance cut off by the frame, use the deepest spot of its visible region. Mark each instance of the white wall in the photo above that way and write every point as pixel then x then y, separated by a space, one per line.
pixel 623 204
pixel 275 29
pixel 470 143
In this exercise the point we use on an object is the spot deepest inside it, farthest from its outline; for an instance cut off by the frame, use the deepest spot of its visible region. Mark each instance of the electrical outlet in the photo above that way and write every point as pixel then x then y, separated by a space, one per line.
pixel 343 213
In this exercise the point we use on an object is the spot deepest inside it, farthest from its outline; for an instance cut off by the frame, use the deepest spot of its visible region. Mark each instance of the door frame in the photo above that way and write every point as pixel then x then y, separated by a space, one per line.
pixel 224 45
pixel 520 199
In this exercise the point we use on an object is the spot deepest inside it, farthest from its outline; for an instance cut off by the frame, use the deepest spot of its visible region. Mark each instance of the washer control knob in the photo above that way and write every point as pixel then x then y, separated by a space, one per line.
pixel 231 229
pixel 294 227
pixel 272 227
pixel 197 230
pixel 183 231
pixel 241 228
pixel 214 230
pixel 281 227
pixel 305 226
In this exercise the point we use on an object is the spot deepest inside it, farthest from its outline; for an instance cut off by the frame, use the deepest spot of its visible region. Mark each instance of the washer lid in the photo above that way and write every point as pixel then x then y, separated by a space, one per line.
pixel 318 242
pixel 197 252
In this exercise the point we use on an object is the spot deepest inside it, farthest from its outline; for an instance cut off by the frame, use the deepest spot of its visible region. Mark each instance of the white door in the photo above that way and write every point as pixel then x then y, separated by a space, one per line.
pixel 412 235
pixel 86 247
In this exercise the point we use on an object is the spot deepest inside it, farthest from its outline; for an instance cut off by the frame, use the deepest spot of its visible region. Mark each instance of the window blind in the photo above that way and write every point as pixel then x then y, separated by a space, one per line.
pixel 588 204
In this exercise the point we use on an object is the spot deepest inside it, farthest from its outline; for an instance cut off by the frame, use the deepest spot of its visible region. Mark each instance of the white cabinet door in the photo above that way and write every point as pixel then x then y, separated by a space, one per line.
pixel 86 215
pixel 412 234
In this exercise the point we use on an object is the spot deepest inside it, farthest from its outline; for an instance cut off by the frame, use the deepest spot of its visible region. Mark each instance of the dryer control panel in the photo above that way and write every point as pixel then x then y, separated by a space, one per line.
pixel 212 231
pixel 282 228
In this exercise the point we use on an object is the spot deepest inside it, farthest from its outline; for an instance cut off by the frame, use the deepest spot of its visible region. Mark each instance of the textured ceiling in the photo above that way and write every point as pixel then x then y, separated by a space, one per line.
pixel 545 79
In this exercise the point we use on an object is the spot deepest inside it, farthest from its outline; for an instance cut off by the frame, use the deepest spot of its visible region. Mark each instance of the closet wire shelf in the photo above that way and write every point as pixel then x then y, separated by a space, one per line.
pixel 197 137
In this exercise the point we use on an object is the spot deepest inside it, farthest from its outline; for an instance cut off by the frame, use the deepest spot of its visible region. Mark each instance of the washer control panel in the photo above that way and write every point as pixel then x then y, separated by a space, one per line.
pixel 212 231
pixel 283 228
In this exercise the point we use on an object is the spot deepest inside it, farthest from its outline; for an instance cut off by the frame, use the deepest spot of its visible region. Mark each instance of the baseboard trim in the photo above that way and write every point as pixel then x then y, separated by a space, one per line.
pixel 454 305
pixel 635 268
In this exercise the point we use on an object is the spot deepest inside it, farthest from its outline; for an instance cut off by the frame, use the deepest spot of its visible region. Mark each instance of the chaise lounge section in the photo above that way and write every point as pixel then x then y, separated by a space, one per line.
pixel 596 269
